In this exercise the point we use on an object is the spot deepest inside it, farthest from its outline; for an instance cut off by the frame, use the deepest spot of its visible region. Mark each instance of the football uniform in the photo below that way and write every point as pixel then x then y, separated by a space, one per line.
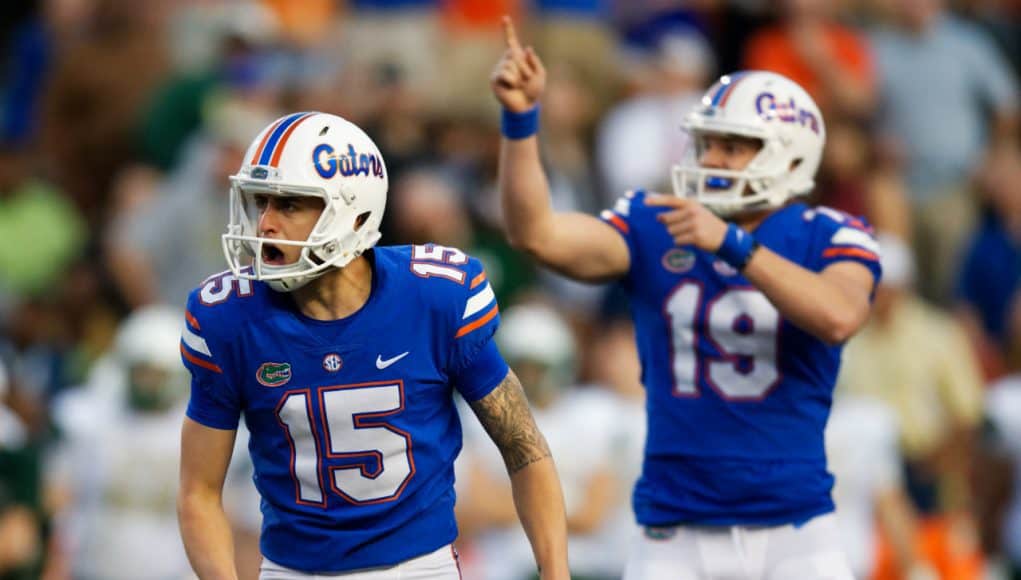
pixel 353 428
pixel 738 396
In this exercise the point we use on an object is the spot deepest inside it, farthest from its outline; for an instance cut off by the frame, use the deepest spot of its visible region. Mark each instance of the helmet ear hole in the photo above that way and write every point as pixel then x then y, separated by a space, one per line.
pixel 795 163
pixel 361 219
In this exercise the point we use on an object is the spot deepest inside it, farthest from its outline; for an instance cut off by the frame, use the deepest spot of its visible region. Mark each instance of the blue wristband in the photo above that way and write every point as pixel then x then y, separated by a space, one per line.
pixel 737 247
pixel 520 125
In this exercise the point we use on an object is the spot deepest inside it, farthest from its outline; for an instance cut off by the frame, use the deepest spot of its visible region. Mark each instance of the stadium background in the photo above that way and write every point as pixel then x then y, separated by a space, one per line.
pixel 120 122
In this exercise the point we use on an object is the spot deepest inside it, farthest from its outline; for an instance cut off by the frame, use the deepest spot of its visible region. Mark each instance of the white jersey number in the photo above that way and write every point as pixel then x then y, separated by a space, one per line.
pixel 743 326
pixel 353 426
pixel 219 287
pixel 428 262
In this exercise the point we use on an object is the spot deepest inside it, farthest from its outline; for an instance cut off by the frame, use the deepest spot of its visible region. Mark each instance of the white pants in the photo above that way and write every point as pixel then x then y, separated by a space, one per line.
pixel 809 552
pixel 439 565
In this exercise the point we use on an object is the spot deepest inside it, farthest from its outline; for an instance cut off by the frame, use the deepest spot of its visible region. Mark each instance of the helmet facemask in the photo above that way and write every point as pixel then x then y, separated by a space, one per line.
pixel 764 183
pixel 338 237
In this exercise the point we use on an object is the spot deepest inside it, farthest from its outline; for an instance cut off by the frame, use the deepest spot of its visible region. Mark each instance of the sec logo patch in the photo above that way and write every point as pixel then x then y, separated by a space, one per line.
pixel 332 362
pixel 678 260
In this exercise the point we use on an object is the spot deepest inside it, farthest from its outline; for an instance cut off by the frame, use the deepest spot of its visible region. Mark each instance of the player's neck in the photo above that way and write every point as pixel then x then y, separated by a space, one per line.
pixel 750 221
pixel 338 293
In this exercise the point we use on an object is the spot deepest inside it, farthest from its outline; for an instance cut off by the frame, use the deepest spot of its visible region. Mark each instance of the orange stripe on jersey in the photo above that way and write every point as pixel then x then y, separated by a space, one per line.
pixel 192 320
pixel 480 322
pixel 478 279
pixel 197 361
pixel 262 144
pixel 618 223
pixel 284 138
pixel 850 252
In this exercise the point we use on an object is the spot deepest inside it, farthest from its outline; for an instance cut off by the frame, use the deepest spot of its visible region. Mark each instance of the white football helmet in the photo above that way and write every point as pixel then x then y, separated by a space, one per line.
pixel 764 106
pixel 307 154
pixel 150 335
pixel 538 334
pixel 147 351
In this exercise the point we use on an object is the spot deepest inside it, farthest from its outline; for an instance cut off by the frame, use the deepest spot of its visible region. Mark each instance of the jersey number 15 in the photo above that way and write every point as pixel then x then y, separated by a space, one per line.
pixel 378 463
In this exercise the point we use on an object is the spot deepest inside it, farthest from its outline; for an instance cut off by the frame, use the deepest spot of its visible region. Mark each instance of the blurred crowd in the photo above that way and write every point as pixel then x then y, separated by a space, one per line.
pixel 120 122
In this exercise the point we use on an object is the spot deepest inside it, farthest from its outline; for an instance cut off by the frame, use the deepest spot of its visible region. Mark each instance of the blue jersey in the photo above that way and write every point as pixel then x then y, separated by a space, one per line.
pixel 737 396
pixel 354 430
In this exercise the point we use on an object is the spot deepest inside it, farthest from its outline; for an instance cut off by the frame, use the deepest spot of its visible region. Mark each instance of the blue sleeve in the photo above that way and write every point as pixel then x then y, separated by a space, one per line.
pixel 476 317
pixel 482 374
pixel 620 218
pixel 846 238
pixel 215 401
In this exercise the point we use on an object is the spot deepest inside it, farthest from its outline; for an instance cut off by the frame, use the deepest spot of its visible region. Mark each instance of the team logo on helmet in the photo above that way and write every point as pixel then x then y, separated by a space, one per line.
pixel 332 362
pixel 328 163
pixel 678 260
pixel 273 374
pixel 767 106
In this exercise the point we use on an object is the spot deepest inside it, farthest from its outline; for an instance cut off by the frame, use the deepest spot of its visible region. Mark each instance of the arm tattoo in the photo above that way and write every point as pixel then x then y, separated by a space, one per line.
pixel 507 418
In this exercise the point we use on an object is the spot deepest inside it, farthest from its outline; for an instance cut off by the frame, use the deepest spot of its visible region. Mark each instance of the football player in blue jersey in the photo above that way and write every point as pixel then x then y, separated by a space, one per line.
pixel 343 359
pixel 742 297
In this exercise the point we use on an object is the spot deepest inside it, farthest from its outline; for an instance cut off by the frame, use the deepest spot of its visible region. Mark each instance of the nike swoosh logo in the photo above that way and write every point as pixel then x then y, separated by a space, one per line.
pixel 382 364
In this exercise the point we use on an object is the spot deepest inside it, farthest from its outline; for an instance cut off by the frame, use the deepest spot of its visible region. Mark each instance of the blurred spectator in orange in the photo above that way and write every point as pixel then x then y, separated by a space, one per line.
pixel 306 22
pixel 641 137
pixel 810 46
pixel 946 97
pixel 469 41
pixel 917 359
pixel 990 274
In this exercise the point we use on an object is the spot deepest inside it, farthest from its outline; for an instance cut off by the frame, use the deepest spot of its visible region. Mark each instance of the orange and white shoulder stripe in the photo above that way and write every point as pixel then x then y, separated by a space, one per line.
pixel 194 348
pixel 853 242
pixel 480 307
pixel 621 210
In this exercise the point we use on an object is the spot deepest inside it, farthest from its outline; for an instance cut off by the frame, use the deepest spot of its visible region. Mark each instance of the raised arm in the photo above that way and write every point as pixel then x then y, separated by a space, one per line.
pixel 575 244
pixel 205 456
pixel 536 488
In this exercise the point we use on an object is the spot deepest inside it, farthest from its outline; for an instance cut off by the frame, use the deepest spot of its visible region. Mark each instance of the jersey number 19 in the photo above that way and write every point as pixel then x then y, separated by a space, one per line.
pixel 741 324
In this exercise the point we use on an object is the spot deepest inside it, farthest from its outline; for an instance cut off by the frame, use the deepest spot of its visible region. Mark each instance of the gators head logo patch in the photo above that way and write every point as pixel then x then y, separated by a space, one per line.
pixel 678 260
pixel 272 374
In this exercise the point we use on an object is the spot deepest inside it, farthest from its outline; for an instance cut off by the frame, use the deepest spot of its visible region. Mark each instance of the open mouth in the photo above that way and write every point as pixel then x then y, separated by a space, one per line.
pixel 272 255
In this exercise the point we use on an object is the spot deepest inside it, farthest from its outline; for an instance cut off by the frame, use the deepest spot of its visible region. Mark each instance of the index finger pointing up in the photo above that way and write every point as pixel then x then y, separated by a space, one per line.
pixel 510 35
